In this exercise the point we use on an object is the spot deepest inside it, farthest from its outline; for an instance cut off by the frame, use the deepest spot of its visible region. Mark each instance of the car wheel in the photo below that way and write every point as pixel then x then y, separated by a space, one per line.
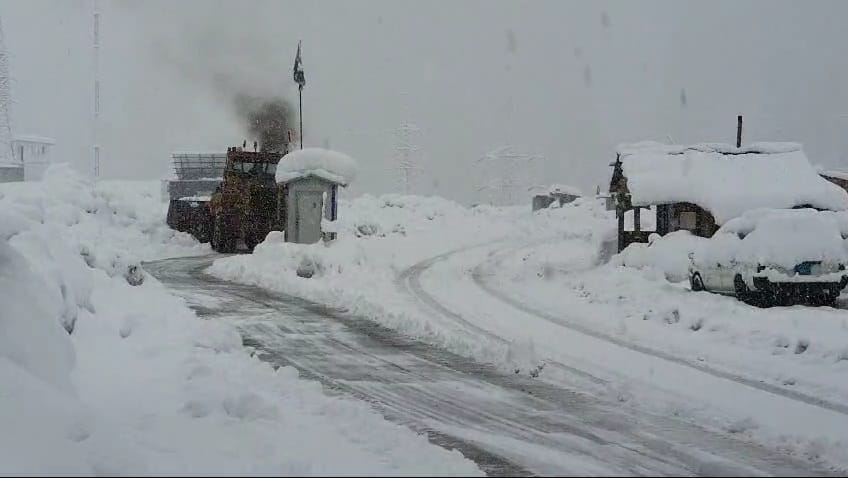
pixel 697 283
pixel 743 293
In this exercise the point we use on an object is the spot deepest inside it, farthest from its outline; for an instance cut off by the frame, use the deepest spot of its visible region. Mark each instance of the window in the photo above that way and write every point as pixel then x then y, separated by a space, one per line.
pixel 689 220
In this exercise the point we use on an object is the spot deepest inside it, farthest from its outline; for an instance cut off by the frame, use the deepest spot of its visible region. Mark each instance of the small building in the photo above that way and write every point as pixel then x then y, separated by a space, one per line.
pixel 33 152
pixel 10 173
pixel 545 196
pixel 309 181
pixel 699 187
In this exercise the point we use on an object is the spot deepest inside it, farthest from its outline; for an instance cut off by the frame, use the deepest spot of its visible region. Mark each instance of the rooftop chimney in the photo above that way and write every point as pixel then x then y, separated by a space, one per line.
pixel 739 131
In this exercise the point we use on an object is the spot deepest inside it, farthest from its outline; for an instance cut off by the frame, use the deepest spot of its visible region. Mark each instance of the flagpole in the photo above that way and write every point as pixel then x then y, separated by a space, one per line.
pixel 300 100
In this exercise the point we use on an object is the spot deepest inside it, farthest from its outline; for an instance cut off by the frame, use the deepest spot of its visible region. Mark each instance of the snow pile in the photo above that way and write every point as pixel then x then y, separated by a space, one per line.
pixel 323 163
pixel 727 181
pixel 668 254
pixel 140 385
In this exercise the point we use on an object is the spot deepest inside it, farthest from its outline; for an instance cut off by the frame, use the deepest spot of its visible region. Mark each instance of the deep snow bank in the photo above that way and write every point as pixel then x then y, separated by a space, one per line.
pixel 141 386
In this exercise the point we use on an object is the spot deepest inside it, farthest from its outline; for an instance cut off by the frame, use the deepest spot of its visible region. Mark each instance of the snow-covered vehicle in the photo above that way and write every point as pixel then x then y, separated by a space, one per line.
pixel 769 256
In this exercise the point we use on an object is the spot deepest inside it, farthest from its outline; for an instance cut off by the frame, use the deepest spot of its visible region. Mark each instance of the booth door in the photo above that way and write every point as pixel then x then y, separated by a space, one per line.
pixel 309 210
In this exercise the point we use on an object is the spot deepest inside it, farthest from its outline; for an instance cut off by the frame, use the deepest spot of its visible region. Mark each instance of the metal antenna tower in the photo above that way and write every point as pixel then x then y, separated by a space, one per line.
pixel 406 147
pixel 95 120
pixel 6 152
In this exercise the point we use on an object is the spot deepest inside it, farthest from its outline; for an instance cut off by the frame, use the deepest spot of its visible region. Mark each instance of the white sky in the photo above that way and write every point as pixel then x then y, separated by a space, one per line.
pixel 565 80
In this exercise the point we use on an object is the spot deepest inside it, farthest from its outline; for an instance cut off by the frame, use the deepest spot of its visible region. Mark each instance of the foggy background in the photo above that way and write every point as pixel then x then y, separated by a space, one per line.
pixel 560 80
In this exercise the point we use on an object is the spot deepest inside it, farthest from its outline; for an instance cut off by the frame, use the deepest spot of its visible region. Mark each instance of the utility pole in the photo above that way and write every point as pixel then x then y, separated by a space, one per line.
pixel 300 79
pixel 739 131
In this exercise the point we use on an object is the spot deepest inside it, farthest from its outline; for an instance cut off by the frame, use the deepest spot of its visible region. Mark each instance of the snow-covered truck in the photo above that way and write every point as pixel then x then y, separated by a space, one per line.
pixel 228 199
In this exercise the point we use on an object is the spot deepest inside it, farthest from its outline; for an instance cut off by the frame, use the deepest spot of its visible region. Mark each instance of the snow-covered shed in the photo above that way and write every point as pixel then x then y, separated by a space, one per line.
pixel 544 196
pixel 309 181
pixel 702 186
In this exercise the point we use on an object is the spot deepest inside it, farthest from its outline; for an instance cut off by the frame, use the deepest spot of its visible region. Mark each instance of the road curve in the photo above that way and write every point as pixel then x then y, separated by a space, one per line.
pixel 508 424
pixel 480 279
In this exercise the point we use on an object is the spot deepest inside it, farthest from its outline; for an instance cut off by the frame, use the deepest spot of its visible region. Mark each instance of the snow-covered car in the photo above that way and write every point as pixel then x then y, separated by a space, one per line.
pixel 771 256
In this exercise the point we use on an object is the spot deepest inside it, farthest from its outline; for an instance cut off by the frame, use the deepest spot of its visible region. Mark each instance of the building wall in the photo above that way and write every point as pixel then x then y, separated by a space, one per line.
pixel 11 174
pixel 35 157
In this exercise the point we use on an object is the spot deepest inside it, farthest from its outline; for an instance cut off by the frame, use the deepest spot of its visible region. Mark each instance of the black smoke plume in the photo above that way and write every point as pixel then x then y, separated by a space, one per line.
pixel 267 120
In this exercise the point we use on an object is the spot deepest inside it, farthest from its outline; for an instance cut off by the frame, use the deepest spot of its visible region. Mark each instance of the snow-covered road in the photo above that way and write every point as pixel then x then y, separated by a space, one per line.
pixel 508 424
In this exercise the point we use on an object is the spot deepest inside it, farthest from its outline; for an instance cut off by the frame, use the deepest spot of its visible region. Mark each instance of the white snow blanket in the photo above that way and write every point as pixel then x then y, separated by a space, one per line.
pixel 725 180
pixel 142 386
pixel 553 260
pixel 323 163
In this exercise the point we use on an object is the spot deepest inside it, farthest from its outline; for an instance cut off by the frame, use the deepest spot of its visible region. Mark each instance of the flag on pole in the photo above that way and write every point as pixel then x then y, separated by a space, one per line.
pixel 299 77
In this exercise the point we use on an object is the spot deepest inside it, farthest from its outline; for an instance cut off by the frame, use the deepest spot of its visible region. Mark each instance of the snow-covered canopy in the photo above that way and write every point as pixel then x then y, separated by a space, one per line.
pixel 322 163
pixel 34 139
pixel 556 189
pixel 725 180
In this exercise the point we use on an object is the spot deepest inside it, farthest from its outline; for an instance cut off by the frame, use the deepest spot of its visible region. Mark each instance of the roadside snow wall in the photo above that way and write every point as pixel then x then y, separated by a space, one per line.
pixel 141 386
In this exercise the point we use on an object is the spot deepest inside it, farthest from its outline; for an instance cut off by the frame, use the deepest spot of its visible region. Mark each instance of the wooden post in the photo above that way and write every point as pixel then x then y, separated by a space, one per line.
pixel 620 213
pixel 739 131
pixel 637 223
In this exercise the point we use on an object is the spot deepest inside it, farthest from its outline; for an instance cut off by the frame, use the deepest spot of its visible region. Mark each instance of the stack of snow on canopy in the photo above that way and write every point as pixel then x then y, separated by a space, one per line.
pixel 725 180
pixel 330 165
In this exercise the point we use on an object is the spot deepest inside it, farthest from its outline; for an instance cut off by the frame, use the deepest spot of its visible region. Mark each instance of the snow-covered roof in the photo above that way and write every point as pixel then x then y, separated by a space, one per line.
pixel 31 138
pixel 218 154
pixel 725 180
pixel 556 189
pixel 322 163
pixel 835 174
pixel 627 149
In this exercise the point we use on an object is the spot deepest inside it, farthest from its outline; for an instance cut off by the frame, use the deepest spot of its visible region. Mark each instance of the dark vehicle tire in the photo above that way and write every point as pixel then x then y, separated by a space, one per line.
pixel 223 236
pixel 759 298
pixel 823 299
pixel 203 230
pixel 696 283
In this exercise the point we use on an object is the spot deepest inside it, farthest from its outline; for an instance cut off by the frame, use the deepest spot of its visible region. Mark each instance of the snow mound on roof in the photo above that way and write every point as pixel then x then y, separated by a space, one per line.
pixel 777 175
pixel 323 163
